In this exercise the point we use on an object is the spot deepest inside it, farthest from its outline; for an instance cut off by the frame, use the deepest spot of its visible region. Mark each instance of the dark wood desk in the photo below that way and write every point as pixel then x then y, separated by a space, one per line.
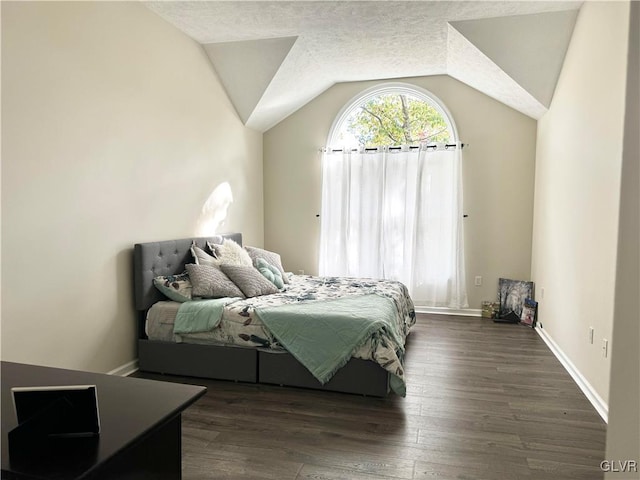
pixel 140 434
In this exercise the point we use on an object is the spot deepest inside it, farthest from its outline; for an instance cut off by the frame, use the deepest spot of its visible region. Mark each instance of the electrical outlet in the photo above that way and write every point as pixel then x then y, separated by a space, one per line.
pixel 541 293
pixel 300 272
pixel 591 335
pixel 605 347
pixel 478 281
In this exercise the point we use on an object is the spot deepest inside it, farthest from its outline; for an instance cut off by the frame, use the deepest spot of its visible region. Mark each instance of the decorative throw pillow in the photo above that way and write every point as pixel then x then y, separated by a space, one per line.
pixel 175 287
pixel 211 282
pixel 270 272
pixel 200 257
pixel 230 253
pixel 249 280
pixel 213 246
pixel 271 258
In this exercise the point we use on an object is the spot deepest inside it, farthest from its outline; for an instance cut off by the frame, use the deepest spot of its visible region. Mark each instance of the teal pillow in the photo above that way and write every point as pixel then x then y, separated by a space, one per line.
pixel 270 272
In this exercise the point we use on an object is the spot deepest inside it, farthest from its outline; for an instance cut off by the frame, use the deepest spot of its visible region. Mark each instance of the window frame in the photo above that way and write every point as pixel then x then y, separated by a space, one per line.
pixel 389 88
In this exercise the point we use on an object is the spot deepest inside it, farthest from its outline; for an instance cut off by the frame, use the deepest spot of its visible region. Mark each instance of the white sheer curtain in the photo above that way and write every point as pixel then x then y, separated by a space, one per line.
pixel 396 215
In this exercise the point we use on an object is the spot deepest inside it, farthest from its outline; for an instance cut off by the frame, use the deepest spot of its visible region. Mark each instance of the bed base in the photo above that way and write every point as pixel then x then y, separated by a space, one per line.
pixel 253 366
pixel 205 361
pixel 357 376
pixel 228 363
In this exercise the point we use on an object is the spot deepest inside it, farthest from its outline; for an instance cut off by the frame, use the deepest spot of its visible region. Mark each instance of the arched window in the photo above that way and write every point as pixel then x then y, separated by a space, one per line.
pixel 392 114
pixel 392 195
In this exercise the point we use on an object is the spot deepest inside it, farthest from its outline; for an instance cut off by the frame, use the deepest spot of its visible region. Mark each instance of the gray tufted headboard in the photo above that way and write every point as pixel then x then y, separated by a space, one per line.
pixel 164 258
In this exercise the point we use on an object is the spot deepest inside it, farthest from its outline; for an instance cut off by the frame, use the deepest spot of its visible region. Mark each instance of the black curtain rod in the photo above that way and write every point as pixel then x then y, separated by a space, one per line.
pixel 411 147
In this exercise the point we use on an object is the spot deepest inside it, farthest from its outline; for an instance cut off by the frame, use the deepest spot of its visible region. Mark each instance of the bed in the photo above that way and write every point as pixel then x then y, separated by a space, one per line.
pixel 242 348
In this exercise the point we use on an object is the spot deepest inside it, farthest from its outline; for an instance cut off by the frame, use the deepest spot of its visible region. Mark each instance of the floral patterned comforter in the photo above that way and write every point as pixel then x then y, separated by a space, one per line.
pixel 240 326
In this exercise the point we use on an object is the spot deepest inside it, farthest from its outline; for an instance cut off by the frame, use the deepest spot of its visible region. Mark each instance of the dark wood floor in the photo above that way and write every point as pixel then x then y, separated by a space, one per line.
pixel 484 401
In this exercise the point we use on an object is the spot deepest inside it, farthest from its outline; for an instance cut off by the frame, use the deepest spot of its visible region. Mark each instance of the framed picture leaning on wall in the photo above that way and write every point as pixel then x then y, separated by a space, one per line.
pixel 511 295
pixel 529 314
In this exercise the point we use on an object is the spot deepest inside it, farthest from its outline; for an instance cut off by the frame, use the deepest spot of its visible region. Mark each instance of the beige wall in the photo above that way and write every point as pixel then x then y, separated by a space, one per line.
pixel 498 170
pixel 623 431
pixel 577 195
pixel 115 130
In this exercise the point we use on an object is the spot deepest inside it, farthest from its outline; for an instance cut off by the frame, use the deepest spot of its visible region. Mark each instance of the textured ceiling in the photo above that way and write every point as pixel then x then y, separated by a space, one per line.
pixel 273 56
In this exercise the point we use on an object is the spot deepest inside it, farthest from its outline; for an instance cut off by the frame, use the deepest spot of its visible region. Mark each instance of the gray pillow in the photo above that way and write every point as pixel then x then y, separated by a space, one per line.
pixel 249 280
pixel 271 258
pixel 210 282
pixel 212 246
pixel 200 257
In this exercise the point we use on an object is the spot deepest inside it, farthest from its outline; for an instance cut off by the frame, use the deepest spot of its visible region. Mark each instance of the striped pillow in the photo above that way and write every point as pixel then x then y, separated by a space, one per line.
pixel 210 282
pixel 249 280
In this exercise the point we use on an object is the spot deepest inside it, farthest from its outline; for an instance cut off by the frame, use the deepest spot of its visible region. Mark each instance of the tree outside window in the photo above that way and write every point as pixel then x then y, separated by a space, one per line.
pixel 391 119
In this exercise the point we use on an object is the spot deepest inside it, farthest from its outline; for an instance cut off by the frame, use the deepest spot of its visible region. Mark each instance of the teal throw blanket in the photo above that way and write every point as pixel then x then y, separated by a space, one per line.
pixel 200 315
pixel 323 335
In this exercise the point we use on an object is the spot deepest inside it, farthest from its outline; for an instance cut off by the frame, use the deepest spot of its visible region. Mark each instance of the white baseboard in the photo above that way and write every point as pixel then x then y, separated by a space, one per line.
pixel 126 369
pixel 465 312
pixel 596 400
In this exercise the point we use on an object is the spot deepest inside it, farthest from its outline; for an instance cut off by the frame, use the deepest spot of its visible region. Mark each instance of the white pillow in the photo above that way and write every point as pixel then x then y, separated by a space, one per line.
pixel 230 253
pixel 175 287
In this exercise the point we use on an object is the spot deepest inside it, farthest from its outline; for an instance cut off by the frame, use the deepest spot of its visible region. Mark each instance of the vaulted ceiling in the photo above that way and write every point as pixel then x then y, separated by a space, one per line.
pixel 275 56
